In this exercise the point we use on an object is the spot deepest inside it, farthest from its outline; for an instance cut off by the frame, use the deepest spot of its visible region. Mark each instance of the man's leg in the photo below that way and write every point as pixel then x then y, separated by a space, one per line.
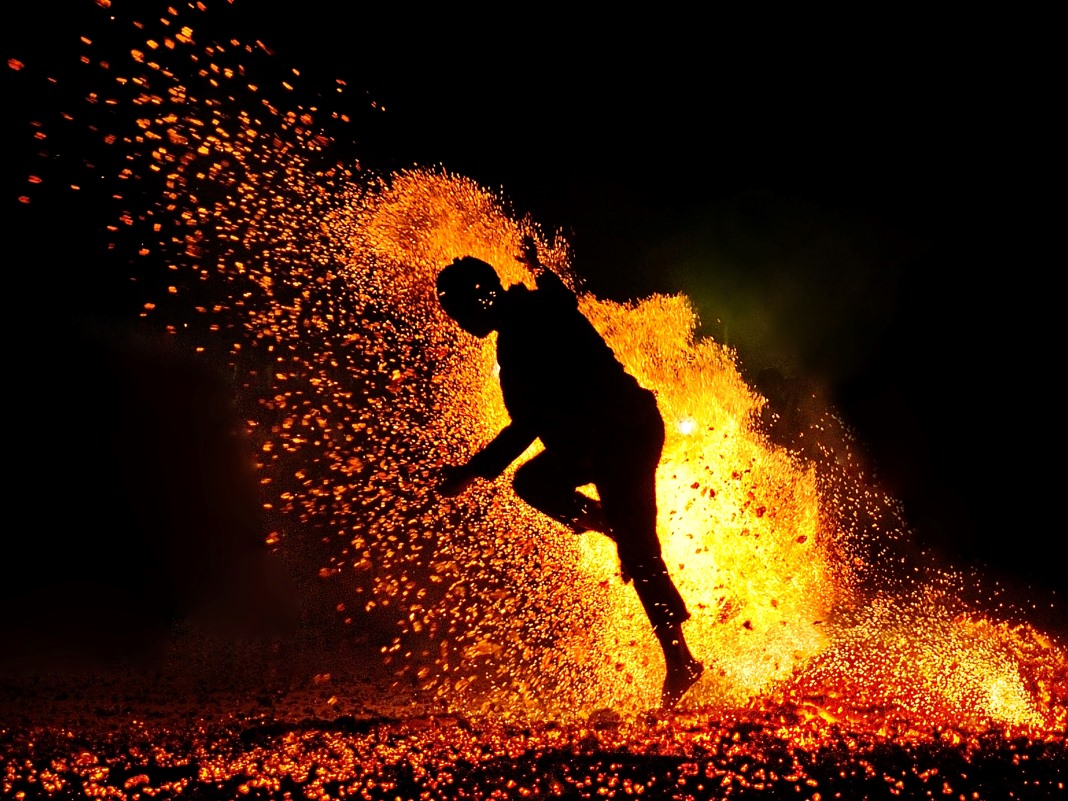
pixel 627 485
pixel 642 560
pixel 548 482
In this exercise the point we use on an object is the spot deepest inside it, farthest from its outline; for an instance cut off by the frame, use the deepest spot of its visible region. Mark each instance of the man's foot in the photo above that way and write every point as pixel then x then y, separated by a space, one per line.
pixel 680 678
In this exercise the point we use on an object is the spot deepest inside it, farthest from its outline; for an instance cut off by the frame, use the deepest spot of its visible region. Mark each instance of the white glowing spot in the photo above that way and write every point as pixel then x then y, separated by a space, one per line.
pixel 687 426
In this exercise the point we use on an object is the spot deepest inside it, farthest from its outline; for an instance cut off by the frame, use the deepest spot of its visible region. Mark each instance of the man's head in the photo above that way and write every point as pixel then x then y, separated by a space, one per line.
pixel 467 290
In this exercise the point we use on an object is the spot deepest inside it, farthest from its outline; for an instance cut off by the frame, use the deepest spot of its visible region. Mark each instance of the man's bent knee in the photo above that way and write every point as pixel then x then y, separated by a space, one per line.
pixel 532 487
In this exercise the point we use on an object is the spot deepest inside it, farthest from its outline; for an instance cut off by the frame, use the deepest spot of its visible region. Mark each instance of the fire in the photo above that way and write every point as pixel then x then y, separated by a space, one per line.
pixel 739 518
pixel 762 542
pixel 313 282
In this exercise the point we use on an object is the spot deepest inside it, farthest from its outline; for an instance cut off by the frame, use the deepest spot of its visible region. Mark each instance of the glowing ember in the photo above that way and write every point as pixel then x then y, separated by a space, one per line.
pixel 313 282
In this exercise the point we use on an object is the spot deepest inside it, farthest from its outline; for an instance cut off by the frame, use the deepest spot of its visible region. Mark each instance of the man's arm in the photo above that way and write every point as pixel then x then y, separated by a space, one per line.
pixel 489 462
pixel 545 279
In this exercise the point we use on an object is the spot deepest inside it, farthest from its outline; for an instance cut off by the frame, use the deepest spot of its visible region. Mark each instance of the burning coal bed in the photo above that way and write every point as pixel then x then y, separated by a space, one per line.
pixel 788 751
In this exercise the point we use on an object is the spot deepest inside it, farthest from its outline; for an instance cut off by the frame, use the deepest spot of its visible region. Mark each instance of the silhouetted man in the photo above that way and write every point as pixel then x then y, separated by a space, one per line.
pixel 563 385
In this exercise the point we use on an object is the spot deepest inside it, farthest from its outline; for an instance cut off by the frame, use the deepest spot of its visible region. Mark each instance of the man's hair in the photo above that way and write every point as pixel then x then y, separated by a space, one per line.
pixel 466 286
pixel 466 274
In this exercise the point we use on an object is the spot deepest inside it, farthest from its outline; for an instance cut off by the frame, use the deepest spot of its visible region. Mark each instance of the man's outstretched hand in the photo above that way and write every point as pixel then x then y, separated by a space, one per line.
pixel 455 480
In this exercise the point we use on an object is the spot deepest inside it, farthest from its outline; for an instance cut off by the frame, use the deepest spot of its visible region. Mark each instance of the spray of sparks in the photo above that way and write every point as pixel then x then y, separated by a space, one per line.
pixel 312 281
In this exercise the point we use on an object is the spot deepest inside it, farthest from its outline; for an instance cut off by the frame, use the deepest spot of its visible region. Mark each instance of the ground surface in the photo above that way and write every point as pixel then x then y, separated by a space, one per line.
pixel 233 724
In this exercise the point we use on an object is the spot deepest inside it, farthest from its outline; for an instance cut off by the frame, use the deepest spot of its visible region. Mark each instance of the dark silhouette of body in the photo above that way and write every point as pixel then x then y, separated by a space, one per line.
pixel 563 385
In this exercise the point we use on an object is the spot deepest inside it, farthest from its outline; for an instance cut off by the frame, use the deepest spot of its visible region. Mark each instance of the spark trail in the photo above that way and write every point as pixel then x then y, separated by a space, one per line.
pixel 311 281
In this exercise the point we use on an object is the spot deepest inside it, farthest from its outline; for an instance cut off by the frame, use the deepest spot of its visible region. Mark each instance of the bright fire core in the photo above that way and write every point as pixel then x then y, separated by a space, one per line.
pixel 313 281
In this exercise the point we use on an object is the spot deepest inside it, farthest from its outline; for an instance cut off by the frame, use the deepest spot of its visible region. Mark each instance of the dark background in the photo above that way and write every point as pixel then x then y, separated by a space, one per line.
pixel 865 205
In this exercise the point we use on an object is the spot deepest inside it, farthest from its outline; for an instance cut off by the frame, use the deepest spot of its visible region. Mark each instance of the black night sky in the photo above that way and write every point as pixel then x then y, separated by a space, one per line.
pixel 865 204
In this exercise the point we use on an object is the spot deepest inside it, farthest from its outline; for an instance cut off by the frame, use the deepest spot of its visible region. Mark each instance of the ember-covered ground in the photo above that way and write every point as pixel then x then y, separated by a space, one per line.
pixel 264 723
